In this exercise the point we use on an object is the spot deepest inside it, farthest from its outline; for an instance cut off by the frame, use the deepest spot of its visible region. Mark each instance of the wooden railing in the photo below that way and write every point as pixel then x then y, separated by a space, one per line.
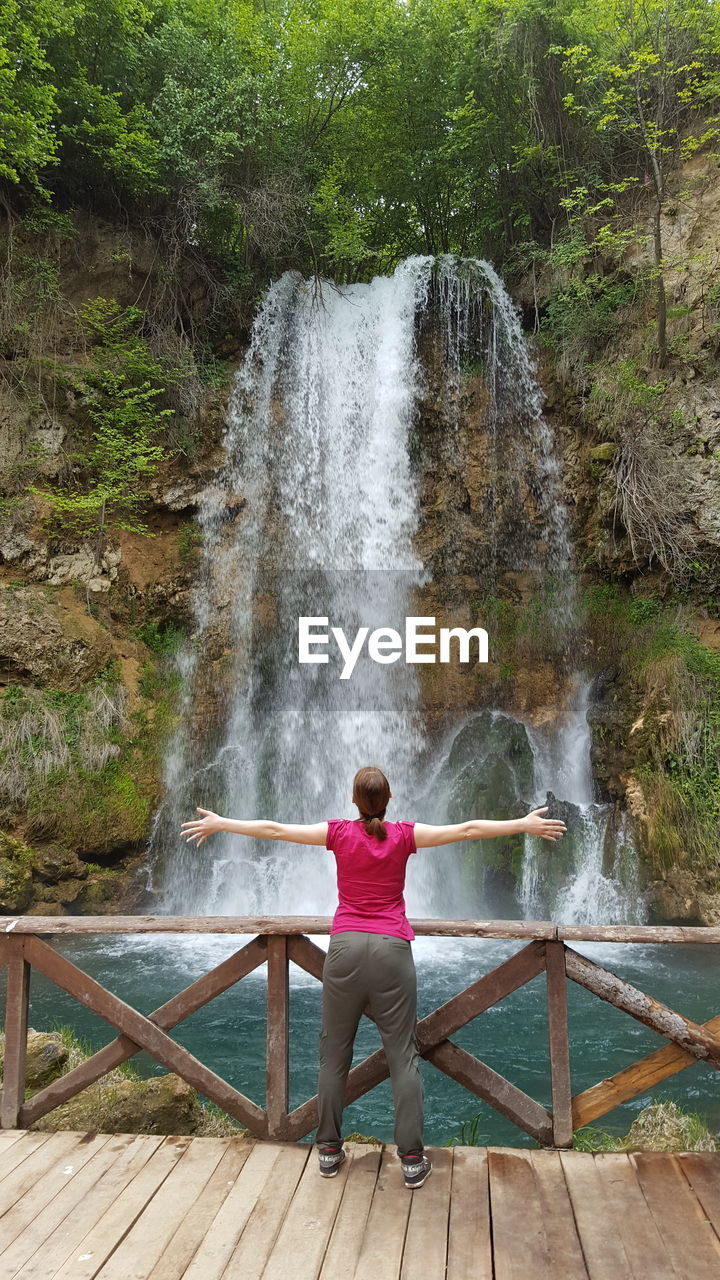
pixel 277 941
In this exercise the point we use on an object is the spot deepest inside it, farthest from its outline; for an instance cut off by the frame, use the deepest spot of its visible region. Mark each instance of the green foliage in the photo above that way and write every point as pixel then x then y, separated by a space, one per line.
pixel 120 388
pixel 163 640
pixel 677 746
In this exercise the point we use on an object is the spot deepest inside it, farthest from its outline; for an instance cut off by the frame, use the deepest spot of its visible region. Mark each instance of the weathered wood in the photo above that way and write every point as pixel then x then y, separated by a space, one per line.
pixel 307 955
pixel 702 1172
pixel 563 1242
pixel 602 1247
pixel 121 1211
pixel 189 1240
pixel 51 926
pixel 469 1232
pixel 252 1252
pixel 519 1245
pixel 308 1224
pixel 631 1218
pixel 144 1033
pixel 16 1023
pixel 426 1240
pixel 607 986
pixel 163 1215
pixel 633 1080
pixel 130 1153
pixel 382 1246
pixel 231 1219
pixel 54 1194
pixel 278 1038
pixel 349 1228
pixel 494 1089
pixel 23 1177
pixel 647 933
pixel 11 1157
pixel 166 1016
pixel 559 1044
pixel 690 1241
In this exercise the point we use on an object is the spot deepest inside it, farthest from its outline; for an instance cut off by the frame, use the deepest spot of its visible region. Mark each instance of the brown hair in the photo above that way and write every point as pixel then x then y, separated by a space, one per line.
pixel 371 792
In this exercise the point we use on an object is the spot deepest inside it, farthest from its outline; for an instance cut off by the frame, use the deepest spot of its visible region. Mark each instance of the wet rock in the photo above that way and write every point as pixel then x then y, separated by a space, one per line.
pixel 53 864
pixel 46 1057
pixel 604 452
pixel 16 880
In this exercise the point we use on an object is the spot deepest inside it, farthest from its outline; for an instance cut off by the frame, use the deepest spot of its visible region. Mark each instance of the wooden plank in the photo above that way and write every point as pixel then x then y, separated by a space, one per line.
pixel 96 1246
pixel 702 1171
pixel 153 1230
pixel 144 1033
pixel 41 1206
pixel 382 1246
pixel 562 1240
pixel 633 1080
pixel 426 1241
pixel 691 1243
pixel 8 1137
pixel 694 934
pixel 309 1222
pixel 469 1233
pixel 44 1155
pixel 559 1044
pixel 166 1016
pixel 16 1025
pixel 278 1036
pixel 12 1156
pixel 622 995
pixel 519 1244
pixel 230 1220
pixel 307 955
pixel 632 1219
pixel 188 1241
pixel 494 1089
pixel 348 1232
pixel 53 926
pixel 251 1253
pixel 130 1152
pixel 605 1256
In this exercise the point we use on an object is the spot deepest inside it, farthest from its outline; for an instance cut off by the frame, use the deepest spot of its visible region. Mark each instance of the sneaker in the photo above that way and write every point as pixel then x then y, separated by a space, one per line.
pixel 416 1169
pixel 330 1160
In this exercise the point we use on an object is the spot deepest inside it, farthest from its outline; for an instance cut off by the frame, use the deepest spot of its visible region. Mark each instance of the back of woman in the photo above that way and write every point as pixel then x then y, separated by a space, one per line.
pixel 371 876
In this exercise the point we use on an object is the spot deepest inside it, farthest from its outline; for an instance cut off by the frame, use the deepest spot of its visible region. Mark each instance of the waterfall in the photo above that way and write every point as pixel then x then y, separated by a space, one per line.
pixel 315 514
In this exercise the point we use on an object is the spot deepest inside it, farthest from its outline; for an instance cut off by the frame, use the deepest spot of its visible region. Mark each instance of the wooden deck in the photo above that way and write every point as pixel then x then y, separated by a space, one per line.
pixel 127 1207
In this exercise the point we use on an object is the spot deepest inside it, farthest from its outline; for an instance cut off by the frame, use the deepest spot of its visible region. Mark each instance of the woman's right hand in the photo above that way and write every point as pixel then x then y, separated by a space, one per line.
pixel 200 828
pixel 546 828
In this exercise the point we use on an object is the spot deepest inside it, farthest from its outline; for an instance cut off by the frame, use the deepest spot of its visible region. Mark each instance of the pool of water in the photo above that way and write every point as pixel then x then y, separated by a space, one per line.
pixel 229 1033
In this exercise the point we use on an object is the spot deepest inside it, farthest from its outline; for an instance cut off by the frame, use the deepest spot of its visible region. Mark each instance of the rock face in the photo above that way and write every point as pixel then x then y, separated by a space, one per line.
pixel 46 639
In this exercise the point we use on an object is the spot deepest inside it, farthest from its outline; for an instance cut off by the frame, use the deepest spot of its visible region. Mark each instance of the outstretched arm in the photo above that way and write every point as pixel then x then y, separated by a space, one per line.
pixel 426 837
pixel 296 833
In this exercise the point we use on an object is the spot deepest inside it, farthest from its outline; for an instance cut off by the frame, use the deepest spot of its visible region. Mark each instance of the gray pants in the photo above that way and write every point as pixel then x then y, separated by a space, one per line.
pixel 376 970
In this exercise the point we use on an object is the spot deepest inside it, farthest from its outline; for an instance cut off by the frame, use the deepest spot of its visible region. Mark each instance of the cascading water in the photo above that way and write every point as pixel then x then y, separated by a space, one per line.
pixel 315 514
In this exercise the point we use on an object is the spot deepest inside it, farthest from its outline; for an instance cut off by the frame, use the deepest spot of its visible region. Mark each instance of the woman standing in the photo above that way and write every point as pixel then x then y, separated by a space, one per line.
pixel 369 961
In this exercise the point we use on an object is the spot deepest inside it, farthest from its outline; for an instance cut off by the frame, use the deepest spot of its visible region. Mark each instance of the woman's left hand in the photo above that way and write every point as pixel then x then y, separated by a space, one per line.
pixel 200 828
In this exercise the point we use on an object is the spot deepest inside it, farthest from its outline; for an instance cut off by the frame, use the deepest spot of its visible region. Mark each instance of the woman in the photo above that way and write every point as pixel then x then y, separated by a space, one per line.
pixel 369 960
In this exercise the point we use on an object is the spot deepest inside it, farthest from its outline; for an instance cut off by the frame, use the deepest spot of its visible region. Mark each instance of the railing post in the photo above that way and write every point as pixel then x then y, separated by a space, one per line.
pixel 16 1024
pixel 277 1056
pixel 559 1044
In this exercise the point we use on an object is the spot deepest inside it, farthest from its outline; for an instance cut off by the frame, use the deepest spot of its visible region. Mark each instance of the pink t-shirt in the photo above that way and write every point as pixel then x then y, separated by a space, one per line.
pixel 371 877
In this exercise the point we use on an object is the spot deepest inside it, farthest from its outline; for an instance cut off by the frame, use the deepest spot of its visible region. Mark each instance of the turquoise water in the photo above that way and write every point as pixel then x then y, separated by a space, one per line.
pixel 229 1033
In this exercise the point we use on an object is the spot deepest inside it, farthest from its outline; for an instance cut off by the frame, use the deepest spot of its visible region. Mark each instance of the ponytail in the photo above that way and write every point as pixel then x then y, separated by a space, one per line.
pixel 371 792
